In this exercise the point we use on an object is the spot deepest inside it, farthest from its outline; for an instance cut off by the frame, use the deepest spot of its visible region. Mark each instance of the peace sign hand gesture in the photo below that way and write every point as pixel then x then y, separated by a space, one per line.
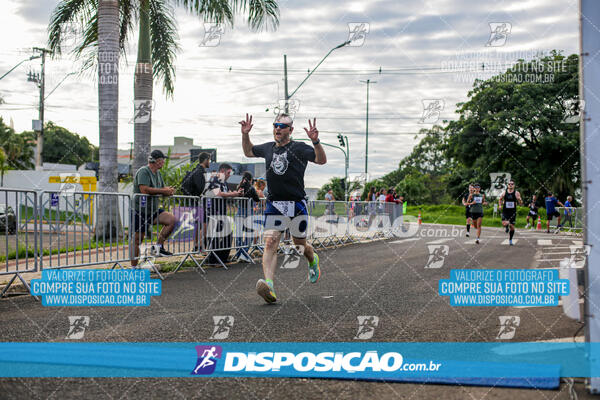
pixel 312 132
pixel 247 124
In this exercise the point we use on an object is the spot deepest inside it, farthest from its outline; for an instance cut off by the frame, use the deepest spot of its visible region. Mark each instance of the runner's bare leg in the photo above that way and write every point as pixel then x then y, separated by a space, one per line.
pixel 272 238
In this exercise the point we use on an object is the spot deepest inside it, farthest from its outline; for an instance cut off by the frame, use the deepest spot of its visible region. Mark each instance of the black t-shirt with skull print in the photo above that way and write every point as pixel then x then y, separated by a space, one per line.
pixel 285 169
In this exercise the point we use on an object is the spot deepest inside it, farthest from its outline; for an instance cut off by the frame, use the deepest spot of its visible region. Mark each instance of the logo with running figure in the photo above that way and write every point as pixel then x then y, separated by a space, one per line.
pixel 77 326
pixel 207 359
pixel 68 183
pixel 293 106
pixel 437 254
pixel 499 32
pixel 366 326
pixel 357 33
pixel 223 324
pixel 499 183
pixel 573 111
pixel 579 254
pixel 212 34
pixel 293 254
pixel 279 163
pixel 142 110
pixel 508 326
pixel 432 108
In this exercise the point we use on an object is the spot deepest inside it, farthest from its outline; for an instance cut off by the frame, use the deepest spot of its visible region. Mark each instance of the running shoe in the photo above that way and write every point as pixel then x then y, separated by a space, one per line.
pixel 477 241
pixel 265 291
pixel 527 226
pixel 510 242
pixel 164 252
pixel 467 234
pixel 314 271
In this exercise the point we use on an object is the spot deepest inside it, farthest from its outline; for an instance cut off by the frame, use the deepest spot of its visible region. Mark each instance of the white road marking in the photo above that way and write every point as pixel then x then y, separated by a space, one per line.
pixel 544 242
pixel 578 242
pixel 505 242
pixel 405 240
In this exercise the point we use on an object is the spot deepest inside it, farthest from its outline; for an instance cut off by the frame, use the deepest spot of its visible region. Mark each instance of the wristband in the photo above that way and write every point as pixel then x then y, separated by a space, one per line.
pixel 317 142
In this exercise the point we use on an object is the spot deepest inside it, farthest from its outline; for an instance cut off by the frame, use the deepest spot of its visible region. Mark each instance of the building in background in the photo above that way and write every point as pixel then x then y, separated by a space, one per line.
pixel 180 149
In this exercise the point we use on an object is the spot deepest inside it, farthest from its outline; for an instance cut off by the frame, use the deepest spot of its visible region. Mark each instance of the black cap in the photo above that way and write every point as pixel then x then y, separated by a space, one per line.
pixel 156 154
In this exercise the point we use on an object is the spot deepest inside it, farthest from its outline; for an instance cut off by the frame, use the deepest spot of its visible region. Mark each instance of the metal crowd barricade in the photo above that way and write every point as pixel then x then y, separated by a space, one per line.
pixel 165 223
pixel 82 228
pixel 232 224
pixel 318 233
pixel 361 216
pixel 258 242
pixel 248 228
pixel 19 248
pixel 571 219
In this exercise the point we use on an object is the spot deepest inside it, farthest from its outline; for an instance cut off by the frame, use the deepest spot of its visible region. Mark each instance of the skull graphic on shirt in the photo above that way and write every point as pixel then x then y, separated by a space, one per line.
pixel 279 163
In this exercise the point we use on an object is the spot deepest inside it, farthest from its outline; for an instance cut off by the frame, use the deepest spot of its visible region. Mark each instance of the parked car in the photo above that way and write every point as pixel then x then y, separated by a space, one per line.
pixel 8 220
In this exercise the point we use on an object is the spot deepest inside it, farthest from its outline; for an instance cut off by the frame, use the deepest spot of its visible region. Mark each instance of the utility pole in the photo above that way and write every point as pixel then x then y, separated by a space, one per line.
pixel 287 107
pixel 368 82
pixel 40 80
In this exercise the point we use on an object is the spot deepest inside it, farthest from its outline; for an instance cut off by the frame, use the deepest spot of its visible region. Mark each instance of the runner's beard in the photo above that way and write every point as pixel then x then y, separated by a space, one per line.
pixel 283 137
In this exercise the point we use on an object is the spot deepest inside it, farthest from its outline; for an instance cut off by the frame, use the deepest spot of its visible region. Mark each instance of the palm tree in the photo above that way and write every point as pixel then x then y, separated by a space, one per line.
pixel 107 219
pixel 157 41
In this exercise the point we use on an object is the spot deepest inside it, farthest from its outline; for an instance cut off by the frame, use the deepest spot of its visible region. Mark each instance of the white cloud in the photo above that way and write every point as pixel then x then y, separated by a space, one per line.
pixel 210 99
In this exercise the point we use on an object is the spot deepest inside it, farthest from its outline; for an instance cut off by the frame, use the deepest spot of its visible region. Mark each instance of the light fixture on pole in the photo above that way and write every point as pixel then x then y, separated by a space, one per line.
pixel 289 96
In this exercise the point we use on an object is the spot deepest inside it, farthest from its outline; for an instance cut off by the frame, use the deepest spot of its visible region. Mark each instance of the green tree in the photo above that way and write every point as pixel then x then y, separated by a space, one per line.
pixel 509 124
pixel 17 148
pixel 3 166
pixel 63 146
pixel 421 177
pixel 337 185
pixel 519 127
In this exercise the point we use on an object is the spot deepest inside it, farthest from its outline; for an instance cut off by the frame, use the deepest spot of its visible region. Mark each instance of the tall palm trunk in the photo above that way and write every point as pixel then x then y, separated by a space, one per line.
pixel 142 92
pixel 107 219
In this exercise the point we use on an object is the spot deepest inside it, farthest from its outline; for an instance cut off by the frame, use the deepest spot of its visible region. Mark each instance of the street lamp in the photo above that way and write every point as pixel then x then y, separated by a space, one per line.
pixel 13 68
pixel 289 96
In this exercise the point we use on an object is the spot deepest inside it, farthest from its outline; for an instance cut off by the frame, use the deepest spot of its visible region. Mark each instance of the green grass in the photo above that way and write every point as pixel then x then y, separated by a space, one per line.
pixel 455 215
pixel 52 215
pixel 29 252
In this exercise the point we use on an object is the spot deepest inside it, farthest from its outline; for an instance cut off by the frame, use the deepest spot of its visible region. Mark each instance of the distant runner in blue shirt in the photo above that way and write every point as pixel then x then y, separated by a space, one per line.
pixel 551 212
pixel 569 211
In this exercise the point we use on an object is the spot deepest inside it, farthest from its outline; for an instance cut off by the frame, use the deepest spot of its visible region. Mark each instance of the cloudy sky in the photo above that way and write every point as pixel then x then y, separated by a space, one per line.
pixel 426 51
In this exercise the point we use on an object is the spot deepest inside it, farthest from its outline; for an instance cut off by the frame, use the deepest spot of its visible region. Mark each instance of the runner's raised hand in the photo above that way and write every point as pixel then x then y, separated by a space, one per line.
pixel 247 124
pixel 312 132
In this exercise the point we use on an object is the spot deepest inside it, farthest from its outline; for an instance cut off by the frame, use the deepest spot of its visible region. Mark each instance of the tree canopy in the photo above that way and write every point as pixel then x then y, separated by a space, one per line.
pixel 17 148
pixel 66 147
pixel 519 122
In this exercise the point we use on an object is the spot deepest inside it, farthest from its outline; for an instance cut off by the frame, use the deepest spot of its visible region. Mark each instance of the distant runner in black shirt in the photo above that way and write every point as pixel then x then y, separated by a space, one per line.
pixel 286 162
pixel 468 209
pixel 533 212
pixel 508 201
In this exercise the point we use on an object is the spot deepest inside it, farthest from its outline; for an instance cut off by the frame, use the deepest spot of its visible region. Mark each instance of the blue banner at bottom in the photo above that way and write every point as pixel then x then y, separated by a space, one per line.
pixel 346 360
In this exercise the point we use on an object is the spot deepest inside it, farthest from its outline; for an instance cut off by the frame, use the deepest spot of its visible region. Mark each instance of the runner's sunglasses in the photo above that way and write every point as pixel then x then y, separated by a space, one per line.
pixel 280 125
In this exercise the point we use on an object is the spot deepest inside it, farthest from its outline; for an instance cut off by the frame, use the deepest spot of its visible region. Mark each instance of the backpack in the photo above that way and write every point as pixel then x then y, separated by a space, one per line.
pixel 188 184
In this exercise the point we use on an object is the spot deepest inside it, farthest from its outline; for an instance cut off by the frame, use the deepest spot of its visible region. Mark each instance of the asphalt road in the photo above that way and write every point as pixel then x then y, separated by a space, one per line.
pixel 386 279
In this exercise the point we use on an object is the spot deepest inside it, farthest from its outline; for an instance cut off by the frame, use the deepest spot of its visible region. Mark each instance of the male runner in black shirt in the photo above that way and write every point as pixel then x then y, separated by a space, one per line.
pixel 286 162
pixel 533 212
pixel 468 209
pixel 508 201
